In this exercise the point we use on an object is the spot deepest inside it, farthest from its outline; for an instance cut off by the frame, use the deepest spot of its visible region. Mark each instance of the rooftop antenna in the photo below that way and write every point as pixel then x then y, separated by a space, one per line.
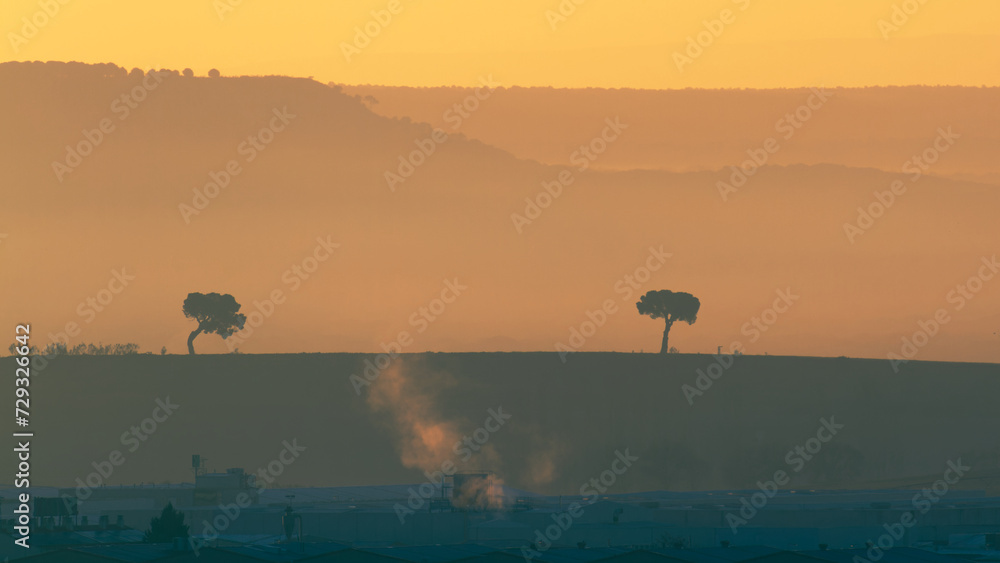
pixel 198 464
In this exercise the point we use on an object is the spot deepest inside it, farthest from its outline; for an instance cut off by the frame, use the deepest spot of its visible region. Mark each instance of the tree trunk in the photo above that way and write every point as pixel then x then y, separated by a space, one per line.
pixel 665 348
pixel 195 334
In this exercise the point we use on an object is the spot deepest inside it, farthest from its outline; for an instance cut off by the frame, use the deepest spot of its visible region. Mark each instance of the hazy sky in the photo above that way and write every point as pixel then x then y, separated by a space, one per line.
pixel 190 127
pixel 625 43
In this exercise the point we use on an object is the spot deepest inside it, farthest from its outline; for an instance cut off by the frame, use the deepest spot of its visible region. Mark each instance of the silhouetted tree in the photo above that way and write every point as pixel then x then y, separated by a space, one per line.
pixel 671 307
pixel 55 349
pixel 167 526
pixel 214 73
pixel 214 313
pixel 188 73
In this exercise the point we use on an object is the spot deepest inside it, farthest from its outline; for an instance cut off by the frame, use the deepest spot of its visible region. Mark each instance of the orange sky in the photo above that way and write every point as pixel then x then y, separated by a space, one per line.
pixel 626 43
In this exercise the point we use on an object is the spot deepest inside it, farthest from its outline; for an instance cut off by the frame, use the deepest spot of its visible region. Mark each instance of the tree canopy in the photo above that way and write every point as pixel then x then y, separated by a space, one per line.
pixel 167 526
pixel 215 313
pixel 670 306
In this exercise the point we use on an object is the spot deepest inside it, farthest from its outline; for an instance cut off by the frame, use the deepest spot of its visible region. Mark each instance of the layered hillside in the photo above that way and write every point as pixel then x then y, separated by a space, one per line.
pixel 232 184
pixel 693 129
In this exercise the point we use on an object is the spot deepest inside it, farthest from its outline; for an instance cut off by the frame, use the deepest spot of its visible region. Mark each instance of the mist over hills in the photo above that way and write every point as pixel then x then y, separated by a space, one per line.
pixel 530 282
pixel 696 129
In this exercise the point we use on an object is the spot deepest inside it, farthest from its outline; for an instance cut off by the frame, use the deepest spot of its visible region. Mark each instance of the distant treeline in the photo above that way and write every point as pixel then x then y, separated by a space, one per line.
pixel 61 349
pixel 75 70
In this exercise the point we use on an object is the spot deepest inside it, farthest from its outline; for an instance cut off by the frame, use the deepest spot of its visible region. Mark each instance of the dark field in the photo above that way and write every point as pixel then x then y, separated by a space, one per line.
pixel 566 420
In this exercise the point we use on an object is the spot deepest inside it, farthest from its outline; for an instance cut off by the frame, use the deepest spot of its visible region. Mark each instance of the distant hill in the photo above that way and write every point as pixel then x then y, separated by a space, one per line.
pixel 131 201
pixel 566 421
pixel 692 129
